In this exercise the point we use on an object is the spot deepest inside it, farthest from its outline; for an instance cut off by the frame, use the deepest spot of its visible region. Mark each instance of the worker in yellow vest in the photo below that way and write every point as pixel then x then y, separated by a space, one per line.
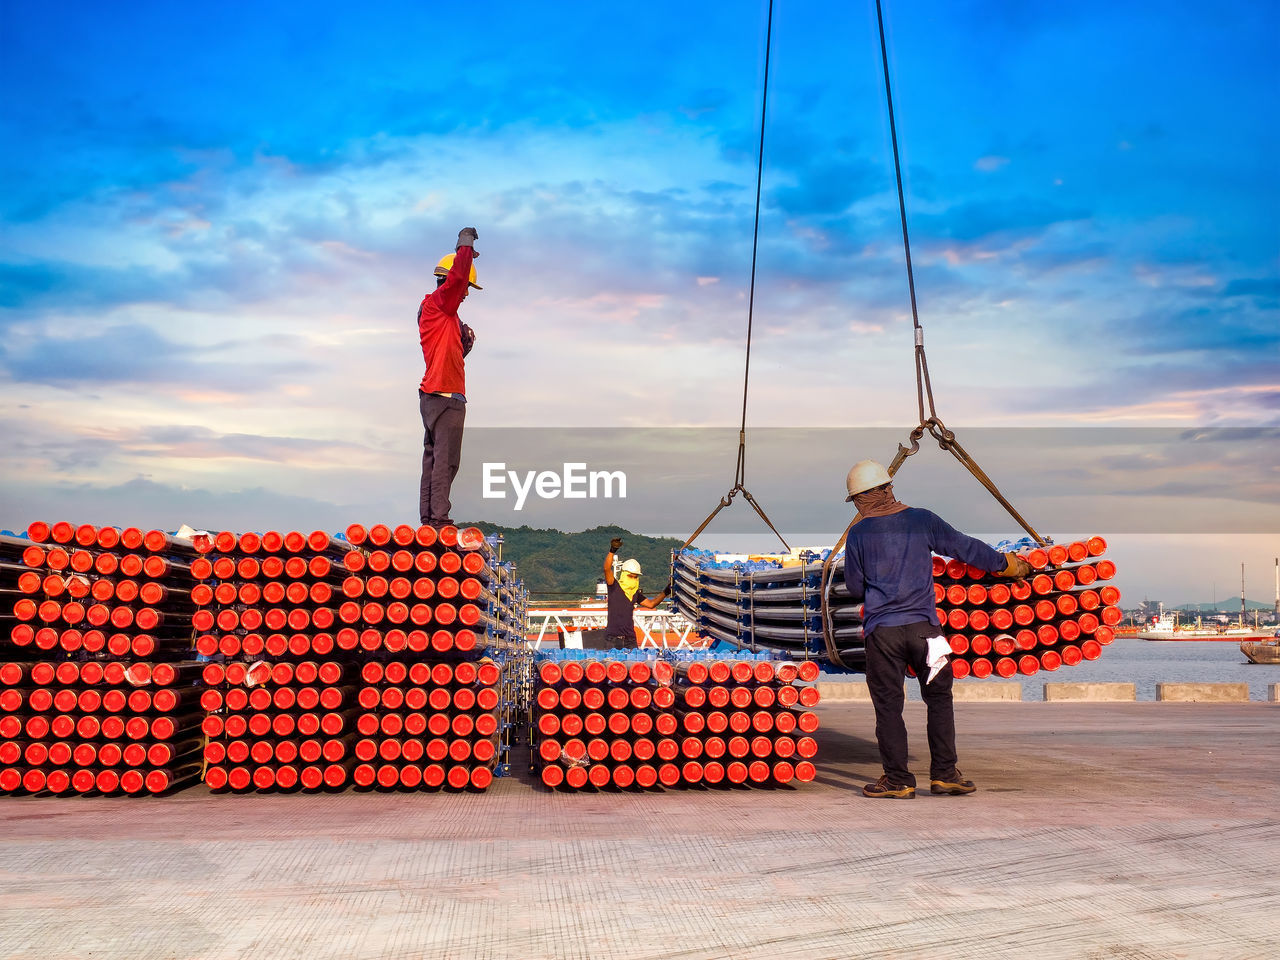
pixel 623 594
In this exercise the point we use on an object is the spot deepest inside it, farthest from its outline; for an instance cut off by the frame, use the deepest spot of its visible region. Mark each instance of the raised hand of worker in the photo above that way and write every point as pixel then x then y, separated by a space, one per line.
pixel 1016 568
pixel 615 544
pixel 666 591
pixel 467 237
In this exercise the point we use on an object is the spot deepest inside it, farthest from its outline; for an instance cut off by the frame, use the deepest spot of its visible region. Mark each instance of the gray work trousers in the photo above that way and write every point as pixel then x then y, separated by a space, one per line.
pixel 441 453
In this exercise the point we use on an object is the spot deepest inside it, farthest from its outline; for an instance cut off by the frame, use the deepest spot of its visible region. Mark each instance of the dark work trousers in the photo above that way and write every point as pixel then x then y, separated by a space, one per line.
pixel 890 650
pixel 441 453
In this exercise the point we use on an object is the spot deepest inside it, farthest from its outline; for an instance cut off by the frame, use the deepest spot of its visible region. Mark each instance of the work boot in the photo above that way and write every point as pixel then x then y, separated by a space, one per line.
pixel 953 785
pixel 883 789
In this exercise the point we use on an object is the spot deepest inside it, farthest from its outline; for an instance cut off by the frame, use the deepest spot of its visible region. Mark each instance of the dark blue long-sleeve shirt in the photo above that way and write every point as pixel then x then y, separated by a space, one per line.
pixel 888 564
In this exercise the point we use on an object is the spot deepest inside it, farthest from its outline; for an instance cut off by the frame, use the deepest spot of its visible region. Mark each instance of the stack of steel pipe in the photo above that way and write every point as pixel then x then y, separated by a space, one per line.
pixel 269 596
pixel 280 685
pixel 426 590
pixel 430 723
pixel 363 630
pixel 1062 615
pixel 278 724
pixel 1065 613
pixel 442 622
pixel 11 570
pixel 625 721
pixel 98 685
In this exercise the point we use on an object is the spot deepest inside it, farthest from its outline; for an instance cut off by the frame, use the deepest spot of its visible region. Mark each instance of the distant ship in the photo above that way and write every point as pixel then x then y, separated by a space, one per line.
pixel 1262 651
pixel 1166 627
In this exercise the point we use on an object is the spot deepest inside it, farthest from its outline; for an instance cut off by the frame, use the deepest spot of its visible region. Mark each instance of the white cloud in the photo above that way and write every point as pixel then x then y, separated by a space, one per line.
pixel 588 241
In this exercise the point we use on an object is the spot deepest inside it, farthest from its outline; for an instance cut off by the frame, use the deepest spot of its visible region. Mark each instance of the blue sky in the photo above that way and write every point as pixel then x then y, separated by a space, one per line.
pixel 218 221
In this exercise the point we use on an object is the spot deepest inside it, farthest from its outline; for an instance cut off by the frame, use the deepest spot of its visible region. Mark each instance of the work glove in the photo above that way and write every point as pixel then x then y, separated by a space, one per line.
pixel 615 544
pixel 467 237
pixel 666 591
pixel 468 339
pixel 1016 568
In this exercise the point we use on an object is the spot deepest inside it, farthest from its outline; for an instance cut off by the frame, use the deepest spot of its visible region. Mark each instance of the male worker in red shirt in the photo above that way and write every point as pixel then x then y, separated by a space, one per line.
pixel 442 394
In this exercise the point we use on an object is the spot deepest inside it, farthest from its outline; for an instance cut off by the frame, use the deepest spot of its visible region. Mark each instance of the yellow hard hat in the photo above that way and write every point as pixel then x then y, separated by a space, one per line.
pixel 865 475
pixel 446 263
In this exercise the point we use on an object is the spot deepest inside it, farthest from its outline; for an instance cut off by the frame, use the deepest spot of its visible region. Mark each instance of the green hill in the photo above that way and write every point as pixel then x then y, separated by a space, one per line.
pixel 554 562
pixel 1231 605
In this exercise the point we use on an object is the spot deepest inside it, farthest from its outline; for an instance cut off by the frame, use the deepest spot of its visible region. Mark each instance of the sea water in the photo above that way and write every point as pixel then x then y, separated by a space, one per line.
pixel 1145 663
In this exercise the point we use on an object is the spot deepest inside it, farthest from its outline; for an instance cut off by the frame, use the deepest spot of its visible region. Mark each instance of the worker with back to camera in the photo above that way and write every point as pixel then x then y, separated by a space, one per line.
pixel 889 567
pixel 624 596
pixel 442 394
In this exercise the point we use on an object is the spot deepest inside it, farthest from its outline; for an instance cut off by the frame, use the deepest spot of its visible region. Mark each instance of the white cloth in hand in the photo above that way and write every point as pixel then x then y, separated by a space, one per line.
pixel 939 651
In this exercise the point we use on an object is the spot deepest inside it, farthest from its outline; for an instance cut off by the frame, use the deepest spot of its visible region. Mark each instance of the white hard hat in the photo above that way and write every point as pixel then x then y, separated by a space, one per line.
pixel 865 475
pixel 631 566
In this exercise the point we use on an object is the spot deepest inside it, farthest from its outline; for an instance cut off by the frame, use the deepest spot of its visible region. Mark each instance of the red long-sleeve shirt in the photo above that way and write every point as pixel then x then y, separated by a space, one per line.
pixel 440 330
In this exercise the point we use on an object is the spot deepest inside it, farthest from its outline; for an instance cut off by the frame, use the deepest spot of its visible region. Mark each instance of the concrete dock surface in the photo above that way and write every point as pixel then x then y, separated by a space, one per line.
pixel 1099 830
